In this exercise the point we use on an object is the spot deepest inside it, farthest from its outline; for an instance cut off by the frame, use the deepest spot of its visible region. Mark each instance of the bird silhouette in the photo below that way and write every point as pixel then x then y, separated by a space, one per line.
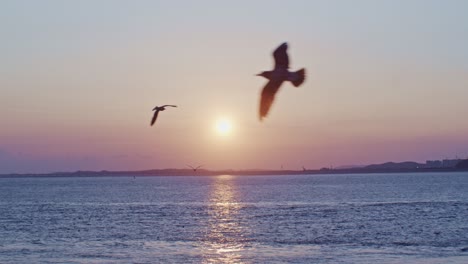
pixel 195 168
pixel 156 110
pixel 276 77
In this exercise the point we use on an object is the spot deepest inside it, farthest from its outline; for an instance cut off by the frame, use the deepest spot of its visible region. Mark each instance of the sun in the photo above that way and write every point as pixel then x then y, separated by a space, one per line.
pixel 223 126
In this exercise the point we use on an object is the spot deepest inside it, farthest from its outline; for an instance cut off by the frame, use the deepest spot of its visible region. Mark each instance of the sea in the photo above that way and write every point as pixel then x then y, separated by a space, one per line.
pixel 347 218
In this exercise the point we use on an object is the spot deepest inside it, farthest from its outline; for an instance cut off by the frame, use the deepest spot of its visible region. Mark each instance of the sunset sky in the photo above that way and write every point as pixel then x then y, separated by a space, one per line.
pixel 386 81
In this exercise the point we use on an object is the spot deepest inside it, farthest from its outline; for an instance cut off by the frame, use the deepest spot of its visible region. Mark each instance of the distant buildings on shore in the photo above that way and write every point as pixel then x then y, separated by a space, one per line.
pixel 412 165
pixel 446 163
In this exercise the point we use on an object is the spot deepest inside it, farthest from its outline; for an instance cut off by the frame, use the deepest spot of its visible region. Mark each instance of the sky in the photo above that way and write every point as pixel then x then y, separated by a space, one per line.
pixel 386 81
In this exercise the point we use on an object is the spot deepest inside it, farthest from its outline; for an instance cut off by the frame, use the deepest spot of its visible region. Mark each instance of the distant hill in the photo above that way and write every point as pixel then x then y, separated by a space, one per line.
pixel 390 167
pixel 396 165
pixel 346 167
pixel 462 164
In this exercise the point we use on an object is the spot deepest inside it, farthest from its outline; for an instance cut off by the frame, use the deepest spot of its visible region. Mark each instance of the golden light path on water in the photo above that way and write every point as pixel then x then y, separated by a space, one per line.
pixel 225 240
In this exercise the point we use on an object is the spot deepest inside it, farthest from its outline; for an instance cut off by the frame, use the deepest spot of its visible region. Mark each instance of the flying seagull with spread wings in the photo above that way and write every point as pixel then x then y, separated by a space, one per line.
pixel 276 77
pixel 195 168
pixel 156 112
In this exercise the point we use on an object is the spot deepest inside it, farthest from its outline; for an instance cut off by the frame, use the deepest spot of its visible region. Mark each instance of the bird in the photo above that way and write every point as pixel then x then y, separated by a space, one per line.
pixel 156 110
pixel 276 77
pixel 195 168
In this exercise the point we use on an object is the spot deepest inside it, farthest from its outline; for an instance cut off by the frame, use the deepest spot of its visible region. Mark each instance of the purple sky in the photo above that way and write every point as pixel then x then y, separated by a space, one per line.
pixel 386 81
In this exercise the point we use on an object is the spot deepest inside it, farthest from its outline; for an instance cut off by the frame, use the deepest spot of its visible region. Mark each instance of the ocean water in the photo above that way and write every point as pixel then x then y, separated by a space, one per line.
pixel 360 218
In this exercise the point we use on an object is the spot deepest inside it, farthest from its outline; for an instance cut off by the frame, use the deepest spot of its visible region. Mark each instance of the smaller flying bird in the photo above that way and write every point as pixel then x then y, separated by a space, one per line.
pixel 195 168
pixel 156 112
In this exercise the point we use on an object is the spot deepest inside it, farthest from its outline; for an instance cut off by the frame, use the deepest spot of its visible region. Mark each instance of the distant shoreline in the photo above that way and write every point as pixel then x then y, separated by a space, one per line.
pixel 188 172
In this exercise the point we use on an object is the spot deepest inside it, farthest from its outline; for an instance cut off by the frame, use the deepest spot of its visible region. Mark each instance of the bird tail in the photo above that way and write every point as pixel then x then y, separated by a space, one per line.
pixel 297 78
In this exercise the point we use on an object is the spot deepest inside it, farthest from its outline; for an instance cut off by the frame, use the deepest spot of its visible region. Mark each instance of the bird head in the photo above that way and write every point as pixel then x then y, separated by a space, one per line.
pixel 264 74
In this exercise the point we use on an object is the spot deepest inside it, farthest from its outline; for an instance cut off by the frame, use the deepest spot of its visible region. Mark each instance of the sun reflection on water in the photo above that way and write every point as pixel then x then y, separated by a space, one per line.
pixel 225 240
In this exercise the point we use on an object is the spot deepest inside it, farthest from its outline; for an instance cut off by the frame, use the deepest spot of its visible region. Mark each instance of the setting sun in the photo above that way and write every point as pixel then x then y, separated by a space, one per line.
pixel 223 126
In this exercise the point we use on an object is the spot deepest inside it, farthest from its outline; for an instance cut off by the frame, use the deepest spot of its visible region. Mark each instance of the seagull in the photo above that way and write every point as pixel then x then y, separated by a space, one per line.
pixel 195 168
pixel 156 111
pixel 276 77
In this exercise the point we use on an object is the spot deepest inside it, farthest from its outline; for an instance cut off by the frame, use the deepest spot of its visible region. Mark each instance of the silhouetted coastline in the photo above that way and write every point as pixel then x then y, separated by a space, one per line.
pixel 206 172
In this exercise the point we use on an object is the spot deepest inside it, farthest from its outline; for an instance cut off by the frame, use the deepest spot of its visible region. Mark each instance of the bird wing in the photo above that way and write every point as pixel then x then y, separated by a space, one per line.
pixel 267 97
pixel 156 112
pixel 199 166
pixel 169 105
pixel 281 56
